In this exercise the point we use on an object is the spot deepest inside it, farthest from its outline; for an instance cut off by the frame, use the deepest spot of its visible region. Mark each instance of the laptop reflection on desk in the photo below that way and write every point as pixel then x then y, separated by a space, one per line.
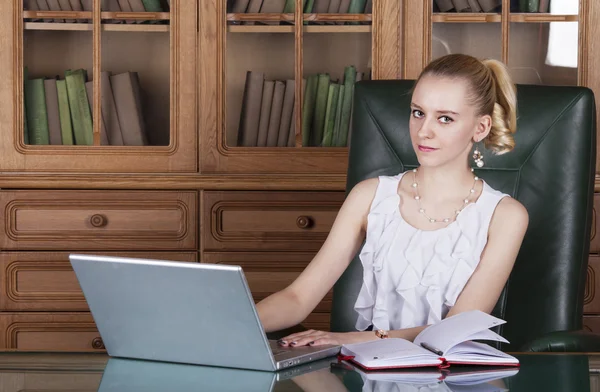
pixel 181 312
pixel 126 375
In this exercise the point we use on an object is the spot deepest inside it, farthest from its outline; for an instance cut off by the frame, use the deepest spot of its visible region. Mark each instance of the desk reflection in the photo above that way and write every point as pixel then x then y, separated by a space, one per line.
pixel 537 373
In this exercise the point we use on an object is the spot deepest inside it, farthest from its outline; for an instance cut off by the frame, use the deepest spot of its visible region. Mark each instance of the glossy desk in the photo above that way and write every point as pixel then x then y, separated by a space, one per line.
pixel 96 372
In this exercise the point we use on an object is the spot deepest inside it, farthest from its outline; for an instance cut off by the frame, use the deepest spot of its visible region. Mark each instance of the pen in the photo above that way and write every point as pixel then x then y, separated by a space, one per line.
pixel 432 349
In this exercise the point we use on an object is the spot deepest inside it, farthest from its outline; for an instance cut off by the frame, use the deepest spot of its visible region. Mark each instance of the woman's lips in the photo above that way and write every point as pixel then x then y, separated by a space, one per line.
pixel 426 149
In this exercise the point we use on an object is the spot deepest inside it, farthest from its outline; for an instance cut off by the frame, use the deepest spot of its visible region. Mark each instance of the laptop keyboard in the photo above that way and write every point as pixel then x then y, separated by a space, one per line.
pixel 278 351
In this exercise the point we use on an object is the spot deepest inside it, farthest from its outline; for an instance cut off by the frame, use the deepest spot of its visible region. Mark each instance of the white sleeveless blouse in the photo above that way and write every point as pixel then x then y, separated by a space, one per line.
pixel 413 277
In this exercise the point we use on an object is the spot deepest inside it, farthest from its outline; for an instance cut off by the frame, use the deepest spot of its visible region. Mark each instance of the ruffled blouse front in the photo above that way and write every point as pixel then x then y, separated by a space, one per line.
pixel 412 277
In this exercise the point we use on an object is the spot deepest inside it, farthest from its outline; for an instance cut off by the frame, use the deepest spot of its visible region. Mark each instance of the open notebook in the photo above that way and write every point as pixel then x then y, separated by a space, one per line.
pixel 451 341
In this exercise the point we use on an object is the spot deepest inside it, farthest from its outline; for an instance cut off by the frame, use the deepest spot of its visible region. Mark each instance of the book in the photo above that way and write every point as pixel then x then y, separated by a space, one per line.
pixel 451 341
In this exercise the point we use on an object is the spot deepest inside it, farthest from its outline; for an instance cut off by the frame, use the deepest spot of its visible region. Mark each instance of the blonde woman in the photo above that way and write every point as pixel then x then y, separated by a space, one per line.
pixel 438 240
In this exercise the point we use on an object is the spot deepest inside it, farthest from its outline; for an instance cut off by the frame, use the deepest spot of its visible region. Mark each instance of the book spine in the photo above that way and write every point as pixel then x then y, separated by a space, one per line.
pixel 37 116
pixel 66 127
pixel 334 90
pixel 320 109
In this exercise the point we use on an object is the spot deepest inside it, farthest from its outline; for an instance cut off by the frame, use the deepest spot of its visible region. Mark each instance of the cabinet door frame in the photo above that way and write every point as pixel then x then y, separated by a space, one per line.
pixel 180 156
pixel 216 156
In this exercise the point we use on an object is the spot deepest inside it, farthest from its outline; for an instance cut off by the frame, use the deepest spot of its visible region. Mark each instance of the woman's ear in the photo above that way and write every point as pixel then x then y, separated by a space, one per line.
pixel 484 126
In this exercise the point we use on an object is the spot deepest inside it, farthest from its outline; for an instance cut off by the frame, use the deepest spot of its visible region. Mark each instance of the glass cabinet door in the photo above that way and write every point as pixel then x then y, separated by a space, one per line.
pixel 283 66
pixel 107 86
pixel 539 40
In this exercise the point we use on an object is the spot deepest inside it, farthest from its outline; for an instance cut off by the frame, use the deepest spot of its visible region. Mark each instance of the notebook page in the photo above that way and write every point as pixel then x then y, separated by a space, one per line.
pixel 456 329
pixel 479 353
pixel 487 335
pixel 389 352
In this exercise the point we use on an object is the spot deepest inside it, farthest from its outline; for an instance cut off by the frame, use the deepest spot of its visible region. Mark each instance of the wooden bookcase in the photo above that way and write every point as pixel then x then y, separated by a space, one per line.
pixel 193 194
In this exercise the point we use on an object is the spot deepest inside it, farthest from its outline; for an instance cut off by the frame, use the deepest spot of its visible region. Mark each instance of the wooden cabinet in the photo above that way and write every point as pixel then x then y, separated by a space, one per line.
pixel 194 191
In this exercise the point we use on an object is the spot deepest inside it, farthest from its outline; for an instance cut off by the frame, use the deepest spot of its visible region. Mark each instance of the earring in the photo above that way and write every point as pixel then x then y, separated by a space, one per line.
pixel 478 157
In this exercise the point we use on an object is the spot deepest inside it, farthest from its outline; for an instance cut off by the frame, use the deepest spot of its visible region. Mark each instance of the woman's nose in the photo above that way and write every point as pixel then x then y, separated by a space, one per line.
pixel 425 131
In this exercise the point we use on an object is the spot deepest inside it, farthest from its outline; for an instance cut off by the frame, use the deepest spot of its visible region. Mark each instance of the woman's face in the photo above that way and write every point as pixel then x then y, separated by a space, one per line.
pixel 443 124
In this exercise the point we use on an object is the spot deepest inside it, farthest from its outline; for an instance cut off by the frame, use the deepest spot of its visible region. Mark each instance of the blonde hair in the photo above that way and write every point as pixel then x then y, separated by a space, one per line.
pixel 492 91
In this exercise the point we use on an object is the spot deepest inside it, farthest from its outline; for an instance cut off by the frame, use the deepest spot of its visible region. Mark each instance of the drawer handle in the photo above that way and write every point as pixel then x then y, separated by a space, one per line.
pixel 97 343
pixel 304 222
pixel 98 220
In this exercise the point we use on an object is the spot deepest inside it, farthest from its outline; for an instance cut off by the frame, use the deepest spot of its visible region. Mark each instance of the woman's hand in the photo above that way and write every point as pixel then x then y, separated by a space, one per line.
pixel 317 338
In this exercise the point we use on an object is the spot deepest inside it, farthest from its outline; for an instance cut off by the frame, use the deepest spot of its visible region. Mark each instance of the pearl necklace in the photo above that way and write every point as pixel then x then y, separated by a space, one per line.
pixel 466 201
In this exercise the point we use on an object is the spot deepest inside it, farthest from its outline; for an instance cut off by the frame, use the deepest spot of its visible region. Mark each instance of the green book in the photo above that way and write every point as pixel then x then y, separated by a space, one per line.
pixel 318 121
pixel 66 126
pixel 338 117
pixel 357 7
pixel 332 99
pixel 37 114
pixel 25 128
pixel 308 108
pixel 152 5
pixel 349 79
pixel 79 106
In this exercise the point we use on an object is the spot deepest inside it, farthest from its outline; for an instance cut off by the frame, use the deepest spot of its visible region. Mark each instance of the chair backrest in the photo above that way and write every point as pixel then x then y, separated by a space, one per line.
pixel 551 171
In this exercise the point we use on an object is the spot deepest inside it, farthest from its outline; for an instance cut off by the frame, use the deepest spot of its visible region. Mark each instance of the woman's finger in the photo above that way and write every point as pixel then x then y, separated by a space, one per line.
pixel 308 339
pixel 285 341
pixel 323 341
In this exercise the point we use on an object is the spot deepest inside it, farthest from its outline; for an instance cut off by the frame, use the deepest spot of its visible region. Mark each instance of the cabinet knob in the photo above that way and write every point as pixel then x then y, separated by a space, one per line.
pixel 304 222
pixel 98 220
pixel 97 343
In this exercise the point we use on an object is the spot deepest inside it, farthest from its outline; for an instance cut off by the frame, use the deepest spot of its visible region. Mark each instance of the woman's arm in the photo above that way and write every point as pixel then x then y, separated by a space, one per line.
pixel 505 235
pixel 293 304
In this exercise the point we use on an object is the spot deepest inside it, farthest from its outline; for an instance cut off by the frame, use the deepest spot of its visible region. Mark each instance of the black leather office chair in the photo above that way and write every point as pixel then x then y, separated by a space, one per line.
pixel 551 171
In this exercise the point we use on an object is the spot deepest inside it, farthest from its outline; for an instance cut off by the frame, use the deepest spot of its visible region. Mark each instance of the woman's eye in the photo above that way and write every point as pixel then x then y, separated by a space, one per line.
pixel 446 120
pixel 417 113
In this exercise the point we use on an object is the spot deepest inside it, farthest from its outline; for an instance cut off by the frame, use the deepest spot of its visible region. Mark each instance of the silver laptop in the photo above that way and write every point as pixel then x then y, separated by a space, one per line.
pixel 181 312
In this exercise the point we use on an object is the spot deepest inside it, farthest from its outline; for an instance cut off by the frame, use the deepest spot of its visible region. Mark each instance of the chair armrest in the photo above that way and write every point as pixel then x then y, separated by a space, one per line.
pixel 565 341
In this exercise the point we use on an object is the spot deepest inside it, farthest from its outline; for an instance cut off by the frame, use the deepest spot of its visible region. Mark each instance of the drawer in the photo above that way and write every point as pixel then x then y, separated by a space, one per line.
pixel 591 301
pixel 44 281
pixel 268 220
pixel 88 220
pixel 49 332
pixel 595 234
pixel 269 272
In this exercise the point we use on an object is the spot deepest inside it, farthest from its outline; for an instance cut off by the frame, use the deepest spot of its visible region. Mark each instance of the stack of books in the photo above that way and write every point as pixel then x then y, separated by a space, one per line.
pixel 59 111
pixel 267 116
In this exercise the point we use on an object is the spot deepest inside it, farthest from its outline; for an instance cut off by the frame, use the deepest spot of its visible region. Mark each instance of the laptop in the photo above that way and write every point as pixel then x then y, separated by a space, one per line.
pixel 181 312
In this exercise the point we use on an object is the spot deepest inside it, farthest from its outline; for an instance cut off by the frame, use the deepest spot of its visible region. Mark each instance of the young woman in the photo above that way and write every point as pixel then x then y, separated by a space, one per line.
pixel 439 240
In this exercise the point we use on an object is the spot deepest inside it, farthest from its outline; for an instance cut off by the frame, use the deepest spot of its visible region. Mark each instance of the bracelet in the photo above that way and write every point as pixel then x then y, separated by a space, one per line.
pixel 382 334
